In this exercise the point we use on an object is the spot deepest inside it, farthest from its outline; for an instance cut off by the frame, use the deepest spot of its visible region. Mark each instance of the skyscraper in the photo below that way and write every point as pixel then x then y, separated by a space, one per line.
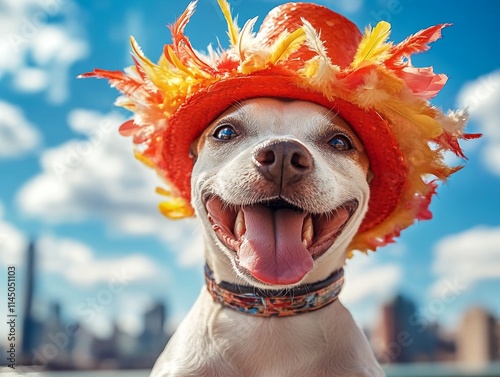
pixel 30 326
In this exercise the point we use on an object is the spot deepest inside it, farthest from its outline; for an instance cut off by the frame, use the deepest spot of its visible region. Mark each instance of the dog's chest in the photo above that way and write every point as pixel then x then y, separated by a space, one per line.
pixel 216 342
pixel 271 347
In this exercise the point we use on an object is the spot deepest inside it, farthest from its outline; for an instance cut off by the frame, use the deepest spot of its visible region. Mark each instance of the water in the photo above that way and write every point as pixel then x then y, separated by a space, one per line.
pixel 412 370
pixel 441 370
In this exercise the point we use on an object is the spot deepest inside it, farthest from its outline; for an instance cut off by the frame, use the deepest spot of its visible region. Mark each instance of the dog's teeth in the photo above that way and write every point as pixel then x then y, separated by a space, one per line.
pixel 307 231
pixel 239 225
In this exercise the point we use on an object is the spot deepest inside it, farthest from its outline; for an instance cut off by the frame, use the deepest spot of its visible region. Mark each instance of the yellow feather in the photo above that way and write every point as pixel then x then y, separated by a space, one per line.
pixel 138 52
pixel 429 127
pixel 163 192
pixel 176 61
pixel 154 73
pixel 233 29
pixel 146 161
pixel 286 44
pixel 176 208
pixel 373 47
pixel 311 67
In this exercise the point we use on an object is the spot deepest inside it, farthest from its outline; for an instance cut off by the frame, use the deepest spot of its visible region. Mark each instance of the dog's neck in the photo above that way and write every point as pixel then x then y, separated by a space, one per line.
pixel 275 303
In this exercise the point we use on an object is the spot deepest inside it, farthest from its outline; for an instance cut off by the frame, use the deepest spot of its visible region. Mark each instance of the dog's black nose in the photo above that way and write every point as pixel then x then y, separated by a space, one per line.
pixel 283 161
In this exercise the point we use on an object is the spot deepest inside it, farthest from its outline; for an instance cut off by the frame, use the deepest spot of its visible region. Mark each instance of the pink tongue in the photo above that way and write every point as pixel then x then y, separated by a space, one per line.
pixel 272 249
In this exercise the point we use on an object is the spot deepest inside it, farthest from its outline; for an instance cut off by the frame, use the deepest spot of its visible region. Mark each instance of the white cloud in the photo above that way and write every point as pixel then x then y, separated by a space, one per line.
pixel 31 80
pixel 192 253
pixel 467 258
pixel 78 263
pixel 12 243
pixel 86 122
pixel 40 53
pixel 369 282
pixel 482 97
pixel 361 274
pixel 17 135
pixel 95 176
pixel 98 177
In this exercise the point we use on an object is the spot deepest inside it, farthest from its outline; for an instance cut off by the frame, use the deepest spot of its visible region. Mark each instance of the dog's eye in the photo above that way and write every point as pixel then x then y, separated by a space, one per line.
pixel 225 132
pixel 341 143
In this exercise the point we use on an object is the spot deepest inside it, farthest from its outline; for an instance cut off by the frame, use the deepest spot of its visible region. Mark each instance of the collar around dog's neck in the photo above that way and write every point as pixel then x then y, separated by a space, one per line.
pixel 275 303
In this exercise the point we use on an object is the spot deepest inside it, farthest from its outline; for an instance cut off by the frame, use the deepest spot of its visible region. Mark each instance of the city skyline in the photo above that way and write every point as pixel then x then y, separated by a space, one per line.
pixel 56 342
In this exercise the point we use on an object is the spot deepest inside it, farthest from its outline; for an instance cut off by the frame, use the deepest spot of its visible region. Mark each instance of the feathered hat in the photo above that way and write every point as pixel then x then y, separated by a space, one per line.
pixel 308 52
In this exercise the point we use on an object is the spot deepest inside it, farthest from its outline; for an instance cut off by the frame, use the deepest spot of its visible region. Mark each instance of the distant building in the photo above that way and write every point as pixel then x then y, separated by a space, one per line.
pixel 105 351
pixel 83 352
pixel 30 327
pixel 153 339
pixel 446 348
pixel 397 339
pixel 477 338
pixel 497 337
pixel 55 341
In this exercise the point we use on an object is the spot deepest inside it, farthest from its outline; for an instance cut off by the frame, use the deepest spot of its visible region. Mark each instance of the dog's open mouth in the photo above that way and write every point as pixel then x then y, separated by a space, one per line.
pixel 275 241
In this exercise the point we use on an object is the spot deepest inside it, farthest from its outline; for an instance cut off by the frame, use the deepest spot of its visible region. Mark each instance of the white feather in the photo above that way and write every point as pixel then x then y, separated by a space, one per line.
pixel 313 40
pixel 454 121
pixel 325 70
pixel 247 40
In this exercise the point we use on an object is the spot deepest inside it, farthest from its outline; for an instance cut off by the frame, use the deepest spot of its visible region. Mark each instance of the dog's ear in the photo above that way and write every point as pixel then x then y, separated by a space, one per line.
pixel 195 148
pixel 193 151
pixel 369 175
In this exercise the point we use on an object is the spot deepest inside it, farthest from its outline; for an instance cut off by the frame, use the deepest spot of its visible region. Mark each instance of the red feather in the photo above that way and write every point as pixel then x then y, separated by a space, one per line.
pixel 103 74
pixel 129 128
pixel 422 203
pixel 451 143
pixel 118 79
pixel 227 64
pixel 422 81
pixel 140 70
pixel 181 44
pixel 415 43
pixel 178 27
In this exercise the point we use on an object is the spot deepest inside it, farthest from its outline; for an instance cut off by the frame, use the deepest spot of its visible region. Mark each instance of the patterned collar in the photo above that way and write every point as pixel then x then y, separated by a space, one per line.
pixel 275 303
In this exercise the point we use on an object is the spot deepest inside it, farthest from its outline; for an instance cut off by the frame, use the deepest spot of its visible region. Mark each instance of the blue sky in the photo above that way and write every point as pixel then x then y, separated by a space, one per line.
pixel 68 179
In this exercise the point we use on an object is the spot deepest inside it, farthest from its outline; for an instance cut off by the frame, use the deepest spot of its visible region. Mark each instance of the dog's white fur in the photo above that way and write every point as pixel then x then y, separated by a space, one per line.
pixel 215 341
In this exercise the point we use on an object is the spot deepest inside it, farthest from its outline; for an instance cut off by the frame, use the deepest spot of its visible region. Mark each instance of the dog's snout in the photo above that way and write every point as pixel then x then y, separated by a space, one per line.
pixel 283 161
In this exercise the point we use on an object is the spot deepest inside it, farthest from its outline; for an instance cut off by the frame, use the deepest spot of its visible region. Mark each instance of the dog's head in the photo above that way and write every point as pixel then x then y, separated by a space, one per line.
pixel 281 187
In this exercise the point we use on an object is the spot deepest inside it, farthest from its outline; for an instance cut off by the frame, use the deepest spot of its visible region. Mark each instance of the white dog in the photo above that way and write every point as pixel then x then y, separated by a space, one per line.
pixel 274 172
pixel 285 189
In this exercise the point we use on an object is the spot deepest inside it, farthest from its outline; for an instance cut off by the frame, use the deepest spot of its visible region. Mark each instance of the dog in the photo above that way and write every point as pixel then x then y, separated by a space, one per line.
pixel 295 146
pixel 299 168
